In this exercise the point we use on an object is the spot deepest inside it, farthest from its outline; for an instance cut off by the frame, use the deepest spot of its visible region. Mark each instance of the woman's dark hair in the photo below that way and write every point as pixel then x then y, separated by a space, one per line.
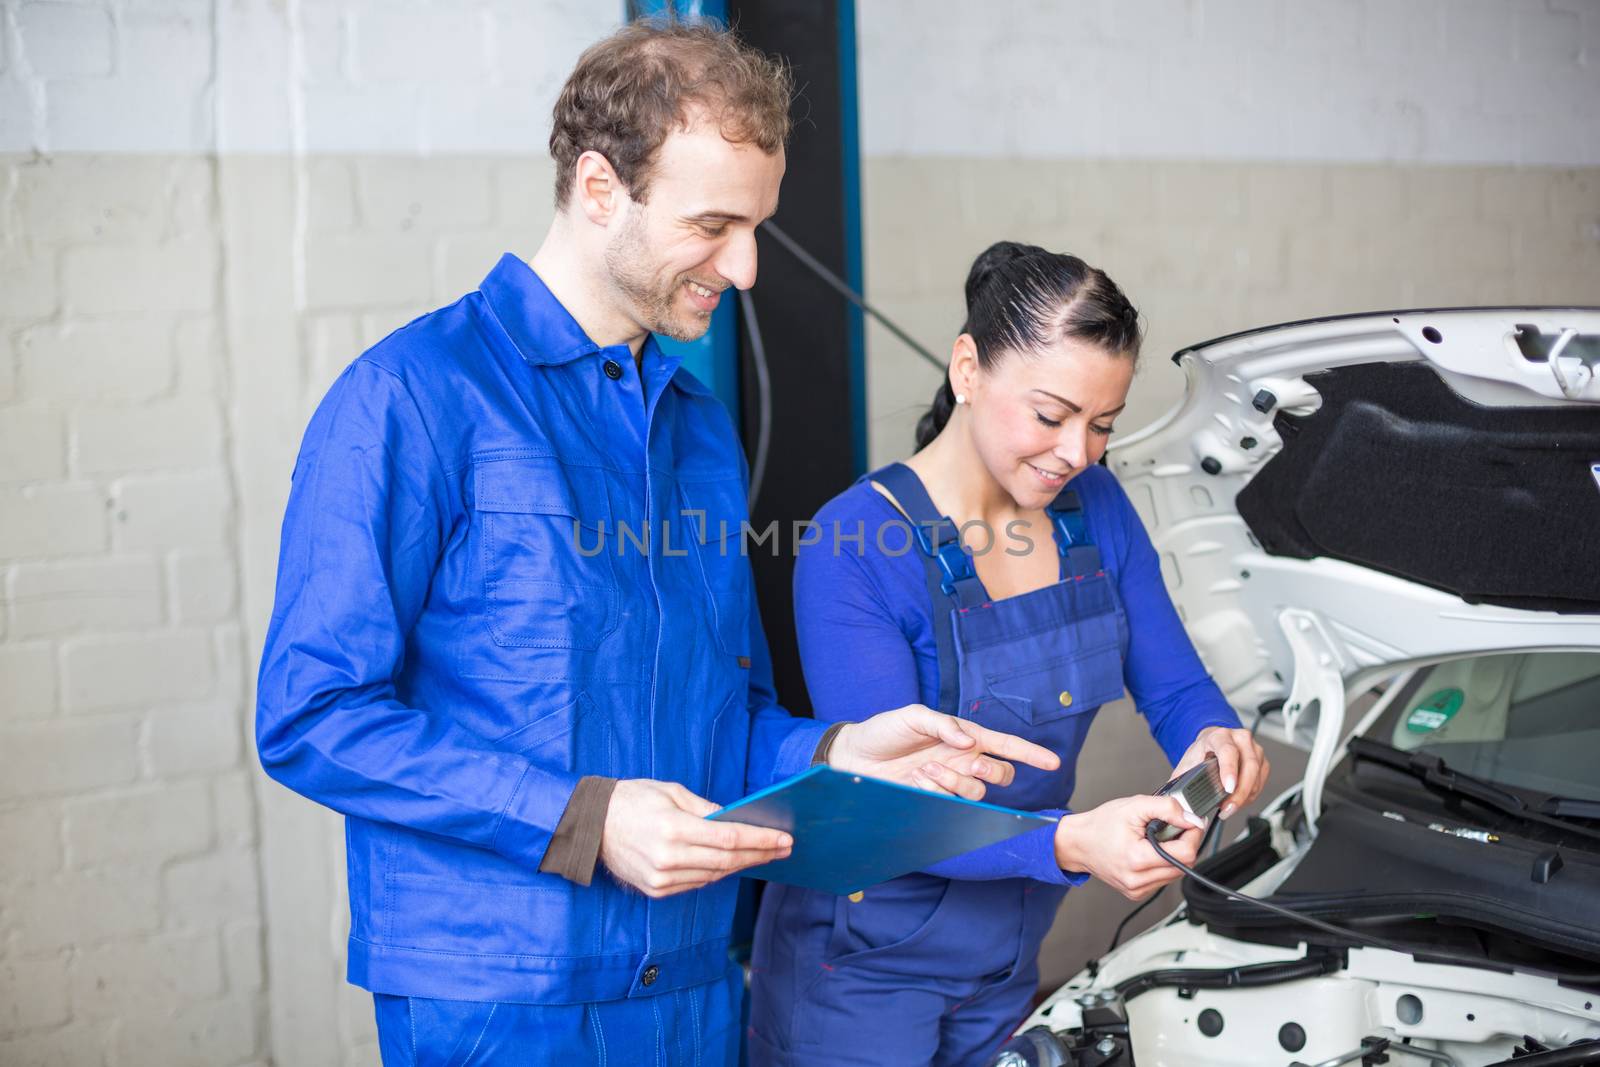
pixel 1021 298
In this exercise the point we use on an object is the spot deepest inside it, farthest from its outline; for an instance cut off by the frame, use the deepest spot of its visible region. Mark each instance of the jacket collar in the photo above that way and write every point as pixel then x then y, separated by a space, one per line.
pixel 546 334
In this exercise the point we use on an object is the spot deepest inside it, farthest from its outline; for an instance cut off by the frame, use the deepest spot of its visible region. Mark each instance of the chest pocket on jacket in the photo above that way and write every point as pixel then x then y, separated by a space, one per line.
pixel 718 539
pixel 548 578
pixel 1067 686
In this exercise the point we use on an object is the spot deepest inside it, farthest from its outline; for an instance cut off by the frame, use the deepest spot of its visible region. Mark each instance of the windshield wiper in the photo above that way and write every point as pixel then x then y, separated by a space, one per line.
pixel 1435 773
pixel 1571 807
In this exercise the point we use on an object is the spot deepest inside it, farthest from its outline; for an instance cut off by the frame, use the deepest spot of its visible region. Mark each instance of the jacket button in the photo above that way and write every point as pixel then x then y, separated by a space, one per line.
pixel 1065 698
pixel 650 974
pixel 613 369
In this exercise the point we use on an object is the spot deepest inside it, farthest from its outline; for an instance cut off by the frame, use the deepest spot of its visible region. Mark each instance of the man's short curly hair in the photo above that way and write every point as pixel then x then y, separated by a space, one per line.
pixel 650 77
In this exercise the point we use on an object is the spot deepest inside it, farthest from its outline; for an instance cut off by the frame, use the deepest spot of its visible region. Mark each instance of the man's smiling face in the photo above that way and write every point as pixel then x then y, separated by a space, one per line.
pixel 694 236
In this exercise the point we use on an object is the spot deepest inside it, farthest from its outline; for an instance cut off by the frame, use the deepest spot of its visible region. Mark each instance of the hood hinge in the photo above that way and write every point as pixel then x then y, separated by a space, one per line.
pixel 1318 680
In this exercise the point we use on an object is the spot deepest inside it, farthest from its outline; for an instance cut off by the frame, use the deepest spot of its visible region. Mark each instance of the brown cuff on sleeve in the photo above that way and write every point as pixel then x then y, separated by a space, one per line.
pixel 574 848
pixel 821 754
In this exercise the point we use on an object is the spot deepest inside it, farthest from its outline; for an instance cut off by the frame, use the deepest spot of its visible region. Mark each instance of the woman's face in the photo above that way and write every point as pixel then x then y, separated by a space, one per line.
pixel 1039 418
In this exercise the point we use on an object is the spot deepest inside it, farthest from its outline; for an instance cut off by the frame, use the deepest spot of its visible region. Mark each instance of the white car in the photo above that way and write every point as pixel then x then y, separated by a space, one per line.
pixel 1383 533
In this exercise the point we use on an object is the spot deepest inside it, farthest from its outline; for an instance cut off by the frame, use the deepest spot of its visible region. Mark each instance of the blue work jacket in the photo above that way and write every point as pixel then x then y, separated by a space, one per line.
pixel 511 559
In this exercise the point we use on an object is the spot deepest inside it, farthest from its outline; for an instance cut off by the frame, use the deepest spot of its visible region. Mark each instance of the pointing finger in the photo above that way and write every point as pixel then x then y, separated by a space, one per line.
pixel 1011 747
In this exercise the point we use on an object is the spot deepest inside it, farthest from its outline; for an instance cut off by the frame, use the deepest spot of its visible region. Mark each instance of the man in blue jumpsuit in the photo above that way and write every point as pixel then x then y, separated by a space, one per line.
pixel 514 639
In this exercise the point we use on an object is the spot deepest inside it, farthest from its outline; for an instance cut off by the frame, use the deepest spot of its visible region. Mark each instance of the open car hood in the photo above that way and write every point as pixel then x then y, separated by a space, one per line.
pixel 1335 500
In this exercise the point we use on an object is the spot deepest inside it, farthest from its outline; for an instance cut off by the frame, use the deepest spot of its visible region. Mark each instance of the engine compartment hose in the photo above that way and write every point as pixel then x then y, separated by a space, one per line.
pixel 1247 976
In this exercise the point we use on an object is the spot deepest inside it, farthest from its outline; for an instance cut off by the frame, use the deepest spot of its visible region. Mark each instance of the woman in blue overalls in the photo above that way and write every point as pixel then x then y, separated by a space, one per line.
pixel 1028 596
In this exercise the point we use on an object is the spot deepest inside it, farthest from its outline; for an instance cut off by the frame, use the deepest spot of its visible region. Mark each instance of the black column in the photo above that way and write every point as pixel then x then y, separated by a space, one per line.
pixel 812 335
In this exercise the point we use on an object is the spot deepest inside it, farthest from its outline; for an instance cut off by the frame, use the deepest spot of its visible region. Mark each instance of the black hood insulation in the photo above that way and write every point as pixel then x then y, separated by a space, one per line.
pixel 1407 883
pixel 1398 473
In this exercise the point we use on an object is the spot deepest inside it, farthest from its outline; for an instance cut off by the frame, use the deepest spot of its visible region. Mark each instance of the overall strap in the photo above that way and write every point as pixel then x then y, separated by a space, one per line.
pixel 948 573
pixel 936 535
pixel 1080 557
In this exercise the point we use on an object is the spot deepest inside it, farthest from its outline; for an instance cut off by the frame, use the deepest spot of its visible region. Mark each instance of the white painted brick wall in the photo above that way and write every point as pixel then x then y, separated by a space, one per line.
pixel 54 599
pixel 1457 81
pixel 27 681
pixel 122 357
pixel 139 278
pixel 63 41
pixel 1407 80
pixel 52 519
pixel 147 452
pixel 130 918
pixel 370 75
pixel 156 667
pixel 182 433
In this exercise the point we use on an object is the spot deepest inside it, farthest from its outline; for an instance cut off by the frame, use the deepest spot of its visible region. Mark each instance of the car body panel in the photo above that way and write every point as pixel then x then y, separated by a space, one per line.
pixel 1184 473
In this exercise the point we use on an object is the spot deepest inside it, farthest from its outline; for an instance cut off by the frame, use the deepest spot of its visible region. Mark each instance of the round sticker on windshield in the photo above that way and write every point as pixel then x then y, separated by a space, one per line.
pixel 1434 712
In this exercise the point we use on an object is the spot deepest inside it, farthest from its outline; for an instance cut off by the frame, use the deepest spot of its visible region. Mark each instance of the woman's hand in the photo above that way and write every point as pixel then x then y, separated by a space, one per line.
pixel 1109 843
pixel 1241 760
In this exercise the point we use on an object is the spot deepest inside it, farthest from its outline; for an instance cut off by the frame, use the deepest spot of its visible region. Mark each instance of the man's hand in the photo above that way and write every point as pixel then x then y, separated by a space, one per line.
pixel 1109 843
pixel 918 746
pixel 657 839
pixel 1241 760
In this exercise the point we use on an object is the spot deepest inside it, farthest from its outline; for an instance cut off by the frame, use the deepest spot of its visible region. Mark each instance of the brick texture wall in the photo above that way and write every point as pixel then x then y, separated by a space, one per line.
pixel 182 318
pixel 130 925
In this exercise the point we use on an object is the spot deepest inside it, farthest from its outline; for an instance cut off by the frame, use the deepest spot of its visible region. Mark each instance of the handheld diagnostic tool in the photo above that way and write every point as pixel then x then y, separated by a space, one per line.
pixel 1199 789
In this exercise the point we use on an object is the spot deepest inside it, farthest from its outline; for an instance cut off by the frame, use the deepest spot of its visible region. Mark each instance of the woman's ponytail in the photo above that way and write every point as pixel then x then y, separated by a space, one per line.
pixel 932 422
pixel 1022 298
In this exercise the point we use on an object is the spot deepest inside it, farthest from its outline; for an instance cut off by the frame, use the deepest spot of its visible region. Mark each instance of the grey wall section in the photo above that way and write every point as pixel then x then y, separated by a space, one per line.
pixel 1205 248
pixel 1402 81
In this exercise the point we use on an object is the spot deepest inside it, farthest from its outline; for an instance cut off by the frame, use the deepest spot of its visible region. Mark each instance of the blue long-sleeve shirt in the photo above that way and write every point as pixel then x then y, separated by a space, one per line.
pixel 867 643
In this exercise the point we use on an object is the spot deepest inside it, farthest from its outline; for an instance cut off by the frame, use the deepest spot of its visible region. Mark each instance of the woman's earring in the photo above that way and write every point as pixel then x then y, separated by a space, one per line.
pixel 961 398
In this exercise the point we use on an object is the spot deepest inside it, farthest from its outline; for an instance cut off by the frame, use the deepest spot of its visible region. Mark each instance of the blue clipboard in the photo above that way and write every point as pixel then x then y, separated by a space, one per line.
pixel 851 831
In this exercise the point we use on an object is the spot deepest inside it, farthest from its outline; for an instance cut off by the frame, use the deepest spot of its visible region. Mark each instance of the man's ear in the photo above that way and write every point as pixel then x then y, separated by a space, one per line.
pixel 597 190
pixel 964 365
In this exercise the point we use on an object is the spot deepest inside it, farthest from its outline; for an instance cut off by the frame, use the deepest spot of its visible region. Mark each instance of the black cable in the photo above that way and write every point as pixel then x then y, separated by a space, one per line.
pixel 1255 727
pixel 1294 916
pixel 1579 1055
pixel 843 288
pixel 1116 938
pixel 1430 955
pixel 1266 708
pixel 758 356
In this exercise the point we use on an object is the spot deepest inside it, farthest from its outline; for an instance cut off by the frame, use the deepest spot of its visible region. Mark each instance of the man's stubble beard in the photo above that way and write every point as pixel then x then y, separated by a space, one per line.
pixel 627 262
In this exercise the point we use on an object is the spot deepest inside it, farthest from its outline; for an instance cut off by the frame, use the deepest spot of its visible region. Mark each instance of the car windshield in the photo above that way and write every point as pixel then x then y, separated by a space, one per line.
pixel 1528 720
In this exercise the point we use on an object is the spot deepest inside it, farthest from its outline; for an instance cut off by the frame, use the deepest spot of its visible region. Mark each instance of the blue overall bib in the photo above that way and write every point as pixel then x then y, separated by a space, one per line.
pixel 929 970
